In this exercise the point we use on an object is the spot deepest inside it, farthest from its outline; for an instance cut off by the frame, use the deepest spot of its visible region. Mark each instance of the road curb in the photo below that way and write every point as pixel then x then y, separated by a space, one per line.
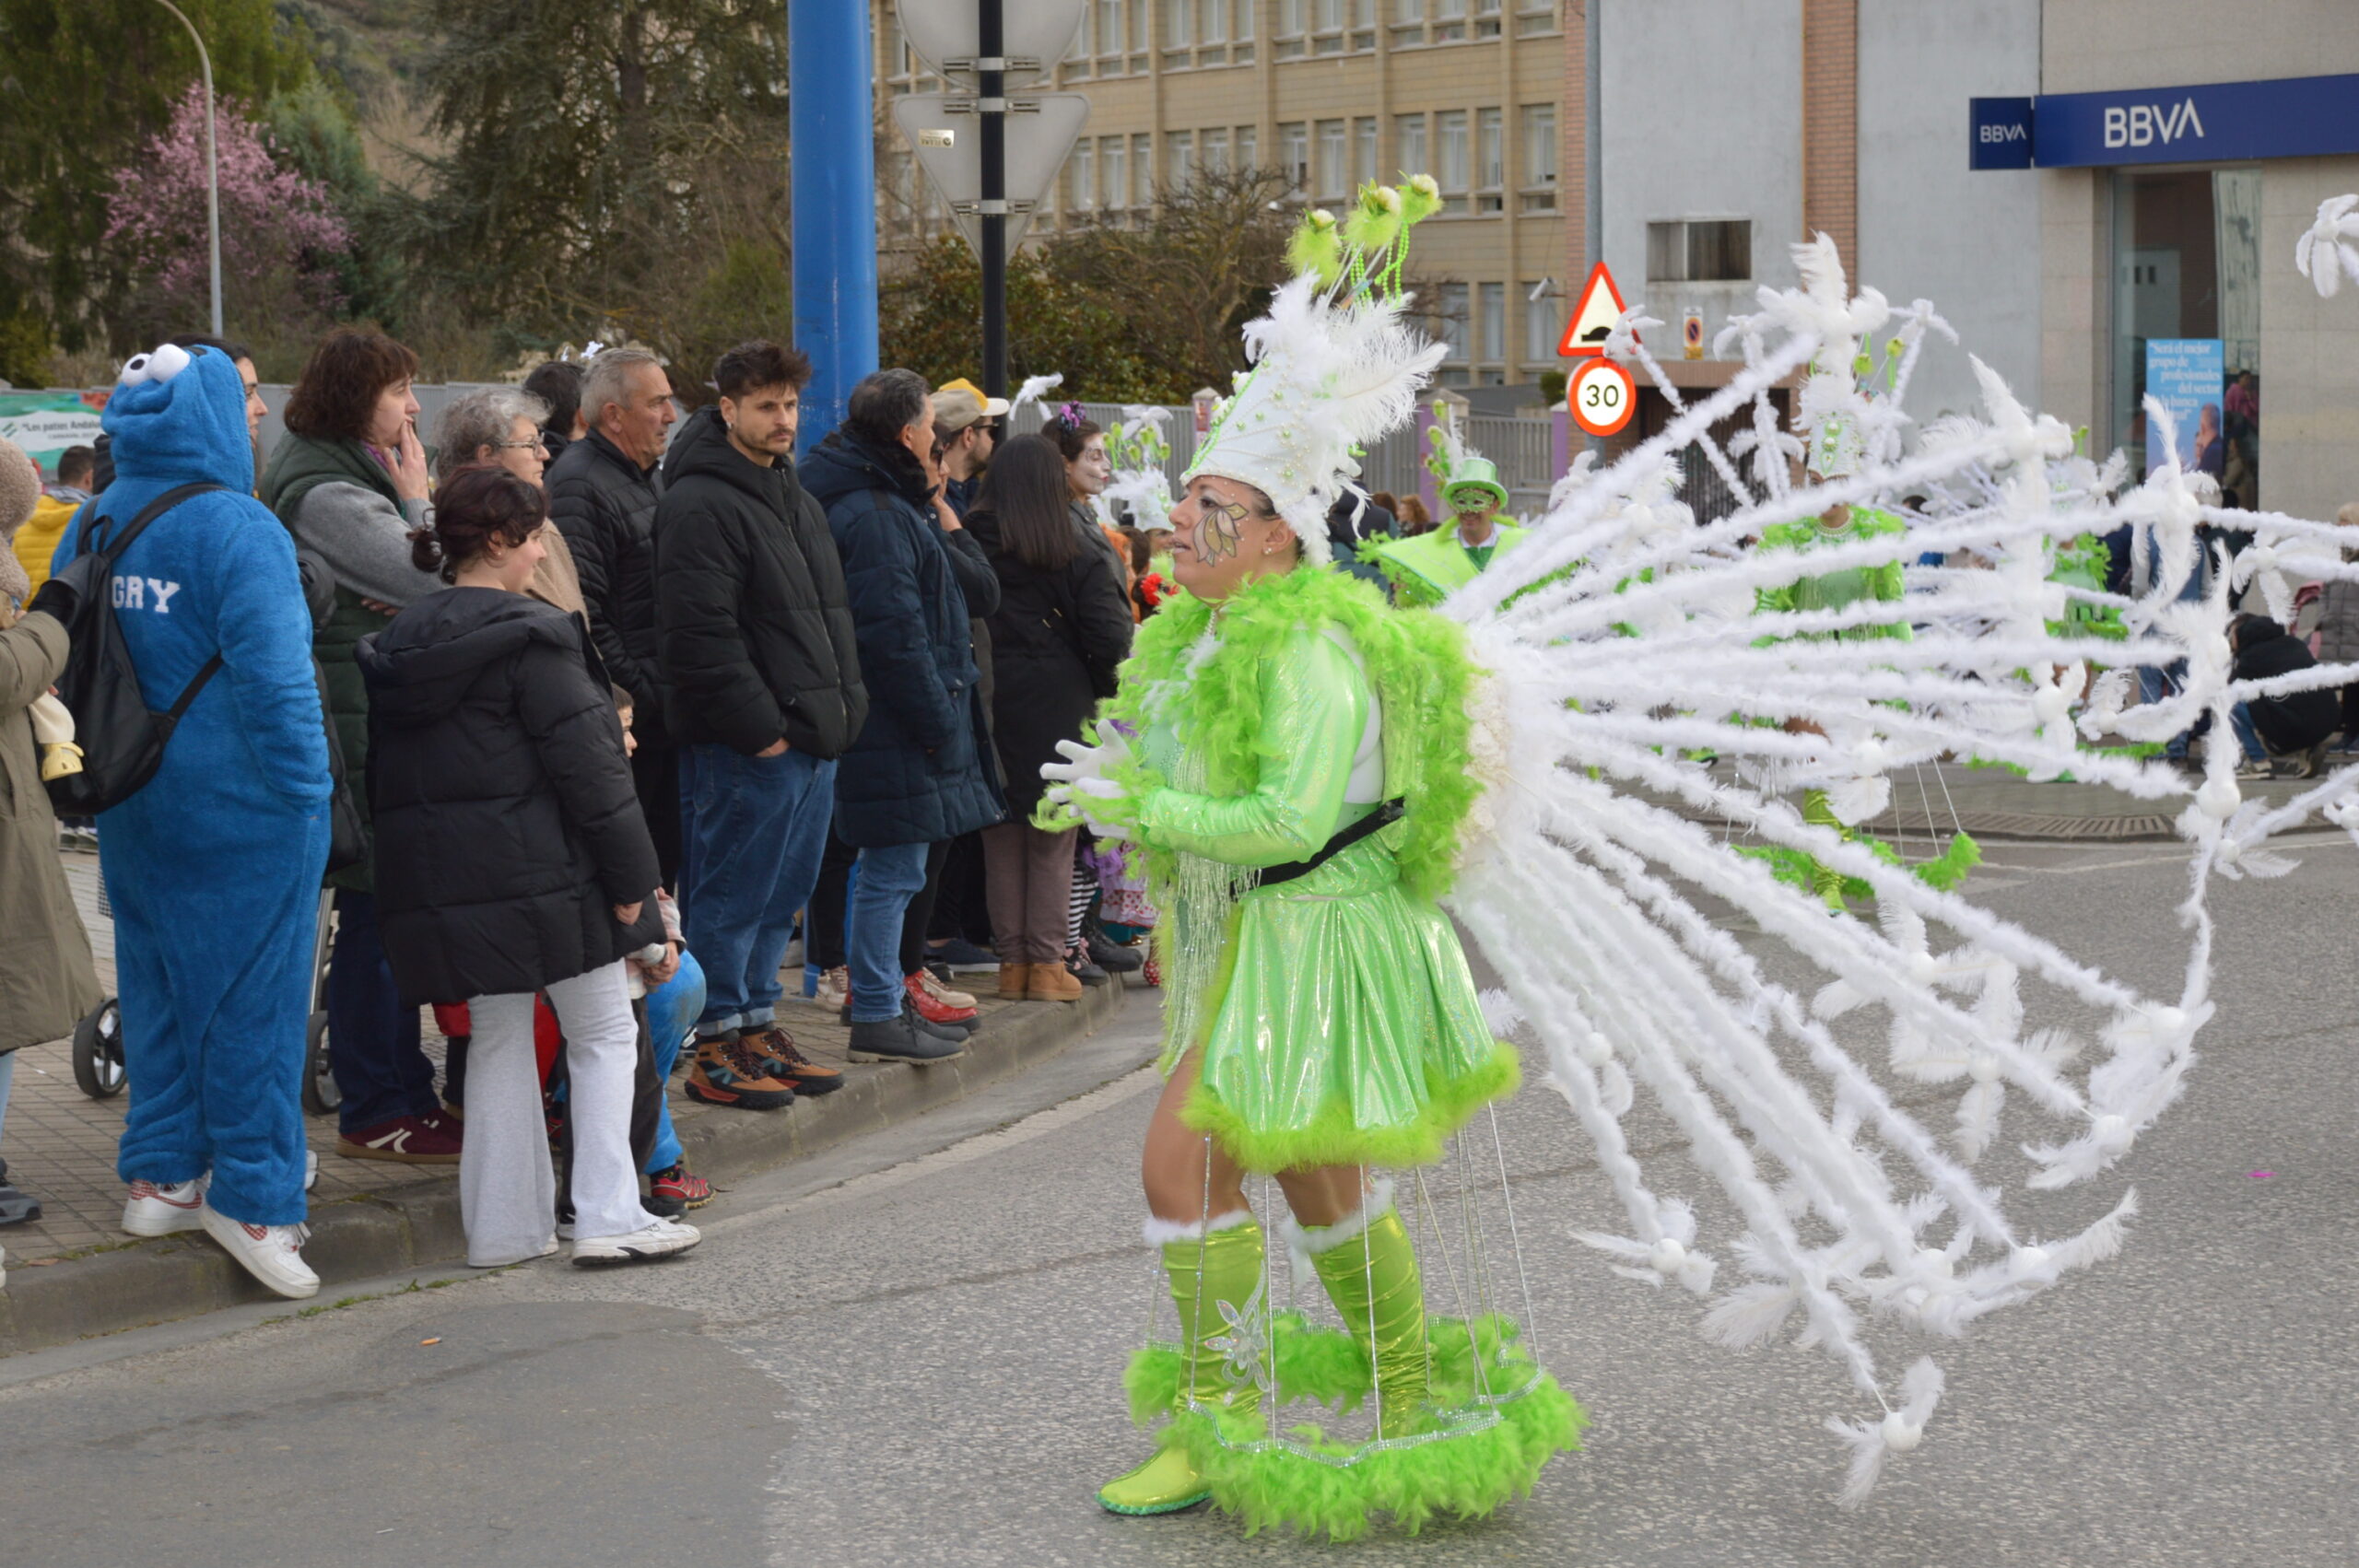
pixel 140 1283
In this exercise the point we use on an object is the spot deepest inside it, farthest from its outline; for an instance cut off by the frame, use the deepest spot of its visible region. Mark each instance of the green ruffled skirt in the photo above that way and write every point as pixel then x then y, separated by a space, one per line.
pixel 1345 1029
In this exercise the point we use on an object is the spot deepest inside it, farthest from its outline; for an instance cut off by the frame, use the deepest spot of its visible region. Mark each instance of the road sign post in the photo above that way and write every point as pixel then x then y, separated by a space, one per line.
pixel 831 146
pixel 994 179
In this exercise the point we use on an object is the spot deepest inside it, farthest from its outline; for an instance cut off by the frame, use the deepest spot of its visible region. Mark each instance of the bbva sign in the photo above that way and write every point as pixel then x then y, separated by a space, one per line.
pixel 2142 124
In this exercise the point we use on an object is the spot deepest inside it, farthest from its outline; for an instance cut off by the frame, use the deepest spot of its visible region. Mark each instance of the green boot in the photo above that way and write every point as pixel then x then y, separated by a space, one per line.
pixel 1372 1276
pixel 1223 1266
pixel 1825 881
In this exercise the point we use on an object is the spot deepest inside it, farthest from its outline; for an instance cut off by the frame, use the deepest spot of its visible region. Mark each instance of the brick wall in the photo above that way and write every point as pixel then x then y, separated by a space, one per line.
pixel 1830 124
pixel 1572 125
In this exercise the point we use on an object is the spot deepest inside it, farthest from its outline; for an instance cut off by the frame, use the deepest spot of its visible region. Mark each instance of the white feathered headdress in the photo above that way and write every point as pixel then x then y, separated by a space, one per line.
pixel 1335 367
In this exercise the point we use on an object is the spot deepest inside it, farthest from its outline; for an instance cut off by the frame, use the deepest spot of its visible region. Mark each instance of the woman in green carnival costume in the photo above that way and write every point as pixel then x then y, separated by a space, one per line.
pixel 1833 452
pixel 1298 786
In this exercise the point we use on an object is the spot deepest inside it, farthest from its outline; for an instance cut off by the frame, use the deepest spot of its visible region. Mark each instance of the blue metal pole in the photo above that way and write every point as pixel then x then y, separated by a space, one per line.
pixel 834 180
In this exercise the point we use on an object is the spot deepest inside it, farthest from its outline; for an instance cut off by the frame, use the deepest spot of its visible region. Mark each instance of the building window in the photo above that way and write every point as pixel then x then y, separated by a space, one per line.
pixel 1409 140
pixel 1539 150
pixel 1449 21
pixel 1490 160
pixel 1215 20
pixel 1181 146
pixel 1109 36
pixel 1293 154
pixel 1249 147
pixel 1216 151
pixel 1141 171
pixel 1454 310
pixel 1113 174
pixel 1293 19
pixel 1245 12
pixel 1453 161
pixel 1362 152
pixel 1085 44
pixel 1140 21
pixel 1487 18
pixel 1332 169
pixel 1541 327
pixel 1494 323
pixel 1533 17
pixel 1179 23
pixel 1080 177
pixel 1704 251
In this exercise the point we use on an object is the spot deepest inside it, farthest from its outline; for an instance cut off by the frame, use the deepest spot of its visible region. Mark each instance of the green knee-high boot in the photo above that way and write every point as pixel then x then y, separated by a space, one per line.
pixel 1825 881
pixel 1372 1276
pixel 1221 1266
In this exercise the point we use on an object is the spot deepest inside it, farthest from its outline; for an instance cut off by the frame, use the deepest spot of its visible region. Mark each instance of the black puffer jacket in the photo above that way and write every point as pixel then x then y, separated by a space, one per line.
pixel 921 771
pixel 507 827
pixel 753 633
pixel 2297 720
pixel 604 504
pixel 1055 641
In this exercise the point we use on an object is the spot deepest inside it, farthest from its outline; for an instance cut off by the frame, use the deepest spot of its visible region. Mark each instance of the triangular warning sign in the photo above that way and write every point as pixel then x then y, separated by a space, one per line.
pixel 1599 307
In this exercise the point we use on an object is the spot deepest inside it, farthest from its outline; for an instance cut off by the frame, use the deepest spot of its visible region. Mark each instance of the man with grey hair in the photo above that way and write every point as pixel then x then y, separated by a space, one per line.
pixel 922 771
pixel 602 493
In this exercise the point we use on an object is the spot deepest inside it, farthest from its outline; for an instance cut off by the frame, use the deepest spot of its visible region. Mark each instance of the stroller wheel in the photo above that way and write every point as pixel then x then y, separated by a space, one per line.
pixel 321 1094
pixel 98 1052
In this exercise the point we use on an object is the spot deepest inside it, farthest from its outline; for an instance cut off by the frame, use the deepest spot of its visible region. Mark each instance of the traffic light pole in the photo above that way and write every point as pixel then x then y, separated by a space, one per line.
pixel 992 112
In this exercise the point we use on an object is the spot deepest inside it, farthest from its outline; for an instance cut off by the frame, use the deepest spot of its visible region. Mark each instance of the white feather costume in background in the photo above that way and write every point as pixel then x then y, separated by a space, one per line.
pixel 1591 895
pixel 1138 449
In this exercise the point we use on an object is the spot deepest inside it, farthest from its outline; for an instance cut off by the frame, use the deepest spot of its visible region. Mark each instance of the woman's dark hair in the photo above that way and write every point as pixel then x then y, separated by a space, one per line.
pixel 1025 488
pixel 1071 429
pixel 337 394
pixel 1386 499
pixel 558 382
pixel 1142 545
pixel 477 506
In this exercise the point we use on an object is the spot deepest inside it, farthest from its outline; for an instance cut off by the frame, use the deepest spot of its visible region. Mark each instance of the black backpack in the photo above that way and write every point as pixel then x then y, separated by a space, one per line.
pixel 122 738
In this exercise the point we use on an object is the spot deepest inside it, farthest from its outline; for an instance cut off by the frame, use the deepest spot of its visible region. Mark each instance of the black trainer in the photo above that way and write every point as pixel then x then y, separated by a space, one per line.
pixel 953 1032
pixel 1112 956
pixel 902 1038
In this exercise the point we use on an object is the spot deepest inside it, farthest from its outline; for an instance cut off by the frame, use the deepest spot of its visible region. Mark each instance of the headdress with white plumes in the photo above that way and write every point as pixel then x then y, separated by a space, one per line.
pixel 1622 649
pixel 1034 389
pixel 1335 365
pixel 1138 450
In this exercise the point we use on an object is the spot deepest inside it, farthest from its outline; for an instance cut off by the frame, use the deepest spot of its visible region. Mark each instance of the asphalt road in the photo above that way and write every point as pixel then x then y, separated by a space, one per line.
pixel 909 1353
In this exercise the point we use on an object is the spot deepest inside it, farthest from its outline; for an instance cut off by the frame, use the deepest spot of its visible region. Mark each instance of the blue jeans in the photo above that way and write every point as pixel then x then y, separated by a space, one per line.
pixel 2153 684
pixel 373 1039
pixel 2247 733
pixel 753 829
pixel 889 879
pixel 671 1010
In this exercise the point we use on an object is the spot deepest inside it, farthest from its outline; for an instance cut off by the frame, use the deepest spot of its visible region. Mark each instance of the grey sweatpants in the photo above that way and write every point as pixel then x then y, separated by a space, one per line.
pixel 507 1190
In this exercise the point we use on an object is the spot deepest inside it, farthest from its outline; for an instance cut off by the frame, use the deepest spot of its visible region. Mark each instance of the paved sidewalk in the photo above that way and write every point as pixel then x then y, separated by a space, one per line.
pixel 60 1147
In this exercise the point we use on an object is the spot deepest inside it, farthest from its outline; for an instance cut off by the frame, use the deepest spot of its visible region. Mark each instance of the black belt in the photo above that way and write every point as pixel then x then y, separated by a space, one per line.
pixel 1368 827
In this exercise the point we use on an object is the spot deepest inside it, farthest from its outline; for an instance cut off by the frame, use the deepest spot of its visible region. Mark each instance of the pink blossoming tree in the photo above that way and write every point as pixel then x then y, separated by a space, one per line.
pixel 280 232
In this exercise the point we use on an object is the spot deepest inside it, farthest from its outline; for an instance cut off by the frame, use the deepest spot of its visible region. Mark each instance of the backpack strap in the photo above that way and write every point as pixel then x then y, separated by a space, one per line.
pixel 138 525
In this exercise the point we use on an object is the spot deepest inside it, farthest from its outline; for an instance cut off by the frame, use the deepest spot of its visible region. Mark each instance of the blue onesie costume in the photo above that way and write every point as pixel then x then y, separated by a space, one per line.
pixel 213 868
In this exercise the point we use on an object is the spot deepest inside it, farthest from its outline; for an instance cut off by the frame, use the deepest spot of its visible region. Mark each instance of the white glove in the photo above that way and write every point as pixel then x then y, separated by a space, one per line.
pixel 1080 783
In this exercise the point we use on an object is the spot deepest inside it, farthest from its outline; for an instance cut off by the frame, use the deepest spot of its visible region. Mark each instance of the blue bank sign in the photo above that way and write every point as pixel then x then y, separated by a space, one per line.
pixel 2217 122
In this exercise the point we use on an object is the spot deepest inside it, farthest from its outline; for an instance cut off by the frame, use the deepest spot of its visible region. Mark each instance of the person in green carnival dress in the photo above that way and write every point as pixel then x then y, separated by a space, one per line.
pixel 1423 569
pixel 1833 452
pixel 1296 785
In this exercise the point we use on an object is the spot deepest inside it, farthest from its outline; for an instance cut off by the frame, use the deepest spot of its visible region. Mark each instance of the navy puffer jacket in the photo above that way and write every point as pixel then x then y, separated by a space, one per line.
pixel 917 774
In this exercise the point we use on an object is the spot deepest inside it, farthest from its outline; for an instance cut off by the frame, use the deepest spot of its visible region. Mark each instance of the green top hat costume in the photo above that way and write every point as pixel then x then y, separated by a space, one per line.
pixel 1426 567
pixel 1298 784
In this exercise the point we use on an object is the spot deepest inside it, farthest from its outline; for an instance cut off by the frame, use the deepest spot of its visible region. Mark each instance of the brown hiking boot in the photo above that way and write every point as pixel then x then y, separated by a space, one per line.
pixel 726 1074
pixel 1013 981
pixel 779 1056
pixel 1052 982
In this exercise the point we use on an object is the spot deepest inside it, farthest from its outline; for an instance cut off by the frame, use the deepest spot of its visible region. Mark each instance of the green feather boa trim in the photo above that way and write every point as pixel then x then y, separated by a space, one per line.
pixel 1416 662
pixel 1334 1138
pixel 1797 868
pixel 1462 1467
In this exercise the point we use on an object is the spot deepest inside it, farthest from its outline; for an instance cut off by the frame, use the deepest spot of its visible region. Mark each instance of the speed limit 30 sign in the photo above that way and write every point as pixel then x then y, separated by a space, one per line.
pixel 1601 396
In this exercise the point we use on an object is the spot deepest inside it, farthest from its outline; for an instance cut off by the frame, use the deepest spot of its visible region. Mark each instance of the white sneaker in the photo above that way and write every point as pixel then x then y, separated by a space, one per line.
pixel 310 1169
pixel 158 1211
pixel 834 990
pixel 272 1254
pixel 661 1239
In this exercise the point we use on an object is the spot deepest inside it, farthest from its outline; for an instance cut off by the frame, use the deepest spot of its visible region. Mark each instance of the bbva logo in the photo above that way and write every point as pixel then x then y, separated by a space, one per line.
pixel 2015 132
pixel 2142 124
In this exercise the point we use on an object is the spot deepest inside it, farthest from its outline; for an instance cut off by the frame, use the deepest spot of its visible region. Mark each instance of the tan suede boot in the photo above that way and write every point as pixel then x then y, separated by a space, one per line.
pixel 1014 978
pixel 1052 982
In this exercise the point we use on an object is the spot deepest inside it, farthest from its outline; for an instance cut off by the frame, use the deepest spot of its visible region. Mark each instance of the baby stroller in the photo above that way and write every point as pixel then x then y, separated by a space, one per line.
pixel 98 1038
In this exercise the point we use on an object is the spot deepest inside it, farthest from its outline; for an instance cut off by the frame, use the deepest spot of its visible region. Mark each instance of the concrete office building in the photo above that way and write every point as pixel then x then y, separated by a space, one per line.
pixel 1334 92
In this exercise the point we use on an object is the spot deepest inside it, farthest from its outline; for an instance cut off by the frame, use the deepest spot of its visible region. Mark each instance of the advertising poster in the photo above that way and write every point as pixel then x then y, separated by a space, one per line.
pixel 2186 376
pixel 45 424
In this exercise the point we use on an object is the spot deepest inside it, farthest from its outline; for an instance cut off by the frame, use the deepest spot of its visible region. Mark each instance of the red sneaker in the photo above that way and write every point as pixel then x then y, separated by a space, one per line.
pixel 931 1009
pixel 682 1186
pixel 428 1139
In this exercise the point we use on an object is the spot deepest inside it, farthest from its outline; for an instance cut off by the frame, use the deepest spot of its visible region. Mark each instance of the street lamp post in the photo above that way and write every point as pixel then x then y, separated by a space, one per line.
pixel 212 164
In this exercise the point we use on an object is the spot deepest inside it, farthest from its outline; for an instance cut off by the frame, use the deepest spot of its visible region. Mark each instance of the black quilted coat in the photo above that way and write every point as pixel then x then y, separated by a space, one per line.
pixel 507 827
